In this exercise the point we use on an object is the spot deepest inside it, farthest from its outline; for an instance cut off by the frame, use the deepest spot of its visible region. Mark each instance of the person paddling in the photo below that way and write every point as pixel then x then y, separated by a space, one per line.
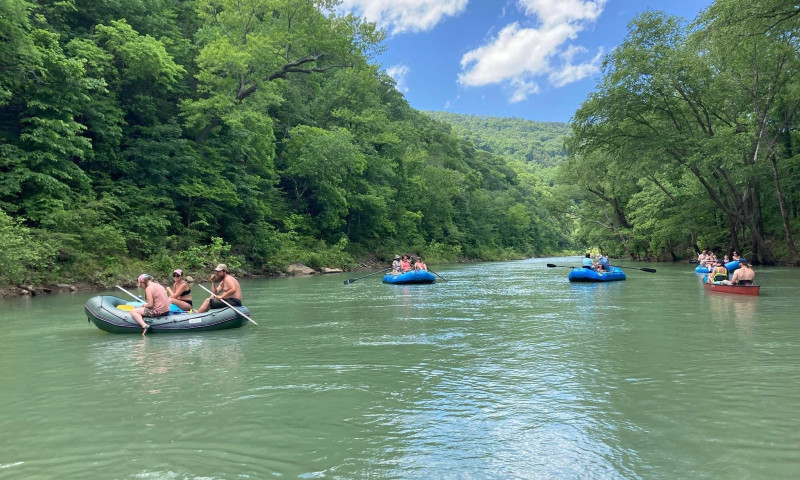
pixel 228 290
pixel 156 302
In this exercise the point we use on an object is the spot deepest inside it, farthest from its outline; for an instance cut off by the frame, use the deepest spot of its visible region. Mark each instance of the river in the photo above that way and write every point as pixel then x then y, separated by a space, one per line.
pixel 504 371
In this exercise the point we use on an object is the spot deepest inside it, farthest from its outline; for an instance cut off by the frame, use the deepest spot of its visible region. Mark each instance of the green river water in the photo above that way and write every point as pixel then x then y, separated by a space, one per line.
pixel 506 371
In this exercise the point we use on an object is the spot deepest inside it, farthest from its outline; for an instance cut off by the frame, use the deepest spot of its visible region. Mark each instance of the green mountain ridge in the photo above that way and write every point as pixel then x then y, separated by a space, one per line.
pixel 541 143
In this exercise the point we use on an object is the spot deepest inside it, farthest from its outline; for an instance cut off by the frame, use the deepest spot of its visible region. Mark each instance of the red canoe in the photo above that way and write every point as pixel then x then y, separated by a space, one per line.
pixel 739 289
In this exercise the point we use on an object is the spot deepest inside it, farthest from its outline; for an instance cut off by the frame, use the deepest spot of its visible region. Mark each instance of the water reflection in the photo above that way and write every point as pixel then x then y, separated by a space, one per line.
pixel 741 308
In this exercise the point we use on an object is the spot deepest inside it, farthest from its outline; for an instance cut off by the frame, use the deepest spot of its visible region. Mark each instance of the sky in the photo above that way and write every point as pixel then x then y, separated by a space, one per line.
pixel 531 59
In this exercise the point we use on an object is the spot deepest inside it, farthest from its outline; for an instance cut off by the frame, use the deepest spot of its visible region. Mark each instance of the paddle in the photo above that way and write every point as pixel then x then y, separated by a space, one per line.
pixel 550 265
pixel 138 299
pixel 228 304
pixel 446 280
pixel 351 280
pixel 648 270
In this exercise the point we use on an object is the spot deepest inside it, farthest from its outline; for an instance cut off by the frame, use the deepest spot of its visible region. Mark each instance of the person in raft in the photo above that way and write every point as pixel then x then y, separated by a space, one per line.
pixel 587 261
pixel 396 264
pixel 744 275
pixel 181 292
pixel 156 302
pixel 405 264
pixel 227 290
pixel 602 263
pixel 420 265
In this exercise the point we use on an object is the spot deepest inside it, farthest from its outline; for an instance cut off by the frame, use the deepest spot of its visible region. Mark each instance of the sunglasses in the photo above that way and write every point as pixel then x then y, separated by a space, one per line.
pixel 176 274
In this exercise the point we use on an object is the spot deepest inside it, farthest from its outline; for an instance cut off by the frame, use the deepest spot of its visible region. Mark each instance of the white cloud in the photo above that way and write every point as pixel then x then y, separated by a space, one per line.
pixel 568 73
pixel 522 88
pixel 400 16
pixel 518 55
pixel 550 12
pixel 399 73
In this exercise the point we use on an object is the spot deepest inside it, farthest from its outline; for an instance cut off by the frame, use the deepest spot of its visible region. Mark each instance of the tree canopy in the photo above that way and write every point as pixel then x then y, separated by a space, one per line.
pixel 163 131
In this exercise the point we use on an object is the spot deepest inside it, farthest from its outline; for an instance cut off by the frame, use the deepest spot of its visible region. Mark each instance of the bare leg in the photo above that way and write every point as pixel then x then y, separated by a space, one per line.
pixel 180 303
pixel 205 306
pixel 136 314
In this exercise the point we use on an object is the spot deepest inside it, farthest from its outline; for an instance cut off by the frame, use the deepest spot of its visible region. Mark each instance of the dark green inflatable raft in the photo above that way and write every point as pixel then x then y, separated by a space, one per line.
pixel 103 311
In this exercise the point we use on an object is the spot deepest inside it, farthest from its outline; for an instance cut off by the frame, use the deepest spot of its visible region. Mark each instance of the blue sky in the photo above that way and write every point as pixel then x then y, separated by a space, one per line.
pixel 533 59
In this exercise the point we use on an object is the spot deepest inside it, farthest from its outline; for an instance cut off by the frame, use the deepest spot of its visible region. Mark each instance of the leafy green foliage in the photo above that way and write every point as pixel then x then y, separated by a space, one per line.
pixel 24 257
pixel 151 135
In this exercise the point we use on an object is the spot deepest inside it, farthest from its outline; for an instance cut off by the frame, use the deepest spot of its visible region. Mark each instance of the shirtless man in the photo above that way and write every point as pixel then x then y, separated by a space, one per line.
pixel 744 275
pixel 702 258
pixel 228 290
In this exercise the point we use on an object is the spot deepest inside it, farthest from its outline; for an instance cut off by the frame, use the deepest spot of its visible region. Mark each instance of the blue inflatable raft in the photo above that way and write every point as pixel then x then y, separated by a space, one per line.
pixel 590 275
pixel 412 277
pixel 730 266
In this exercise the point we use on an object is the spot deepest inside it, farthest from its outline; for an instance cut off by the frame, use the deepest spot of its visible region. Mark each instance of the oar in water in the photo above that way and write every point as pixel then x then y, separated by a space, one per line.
pixel 645 269
pixel 446 280
pixel 228 304
pixel 551 265
pixel 351 280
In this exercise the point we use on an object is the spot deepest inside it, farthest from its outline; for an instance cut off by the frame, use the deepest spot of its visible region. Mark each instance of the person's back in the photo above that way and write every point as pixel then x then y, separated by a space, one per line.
pixel 603 264
pixel 587 261
pixel 719 273
pixel 159 295
pixel 744 275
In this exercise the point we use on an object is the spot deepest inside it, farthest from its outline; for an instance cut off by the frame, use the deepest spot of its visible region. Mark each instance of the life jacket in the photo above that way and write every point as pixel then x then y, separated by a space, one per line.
pixel 719 274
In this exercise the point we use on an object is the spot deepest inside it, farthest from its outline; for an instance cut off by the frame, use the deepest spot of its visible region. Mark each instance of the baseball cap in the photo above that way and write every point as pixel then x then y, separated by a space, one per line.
pixel 143 277
pixel 178 271
pixel 221 268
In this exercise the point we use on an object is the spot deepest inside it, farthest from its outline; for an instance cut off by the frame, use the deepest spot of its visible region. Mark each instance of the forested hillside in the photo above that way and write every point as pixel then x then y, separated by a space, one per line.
pixel 691 138
pixel 165 134
pixel 540 143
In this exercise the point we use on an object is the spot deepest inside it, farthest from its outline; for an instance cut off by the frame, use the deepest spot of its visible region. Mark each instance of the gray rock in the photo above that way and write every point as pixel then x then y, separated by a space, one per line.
pixel 300 269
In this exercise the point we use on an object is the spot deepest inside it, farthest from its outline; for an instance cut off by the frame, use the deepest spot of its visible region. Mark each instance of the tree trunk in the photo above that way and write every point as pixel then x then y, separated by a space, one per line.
pixel 794 258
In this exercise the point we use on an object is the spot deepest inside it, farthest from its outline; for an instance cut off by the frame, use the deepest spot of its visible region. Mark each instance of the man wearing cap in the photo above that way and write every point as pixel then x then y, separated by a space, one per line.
pixel 744 275
pixel 156 302
pixel 227 290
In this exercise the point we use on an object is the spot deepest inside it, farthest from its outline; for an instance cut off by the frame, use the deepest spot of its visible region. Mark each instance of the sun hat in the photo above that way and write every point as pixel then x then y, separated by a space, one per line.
pixel 221 268
pixel 178 271
pixel 397 257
